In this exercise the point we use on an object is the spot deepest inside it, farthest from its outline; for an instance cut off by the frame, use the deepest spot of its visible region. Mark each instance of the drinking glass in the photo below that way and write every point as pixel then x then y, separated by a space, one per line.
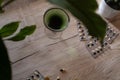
pixel 56 21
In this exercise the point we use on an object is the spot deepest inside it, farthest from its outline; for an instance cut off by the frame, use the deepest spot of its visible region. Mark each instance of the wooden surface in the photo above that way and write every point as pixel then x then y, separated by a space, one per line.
pixel 48 56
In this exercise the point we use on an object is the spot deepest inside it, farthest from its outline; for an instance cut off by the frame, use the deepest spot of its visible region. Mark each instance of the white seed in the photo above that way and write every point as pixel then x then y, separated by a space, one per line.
pixel 58 78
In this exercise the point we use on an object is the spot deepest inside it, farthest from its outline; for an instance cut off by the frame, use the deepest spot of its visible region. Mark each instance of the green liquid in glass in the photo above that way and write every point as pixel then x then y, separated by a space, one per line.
pixel 55 22
pixel 56 19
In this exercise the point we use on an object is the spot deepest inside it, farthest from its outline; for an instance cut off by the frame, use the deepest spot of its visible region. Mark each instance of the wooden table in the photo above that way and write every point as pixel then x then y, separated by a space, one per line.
pixel 38 52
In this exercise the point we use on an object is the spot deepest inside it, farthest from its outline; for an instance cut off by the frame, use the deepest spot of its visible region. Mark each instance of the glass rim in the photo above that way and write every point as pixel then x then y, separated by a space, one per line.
pixel 56 30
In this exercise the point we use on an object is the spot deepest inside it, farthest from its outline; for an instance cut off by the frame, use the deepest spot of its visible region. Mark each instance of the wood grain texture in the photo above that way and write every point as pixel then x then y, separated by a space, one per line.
pixel 48 56
pixel 30 15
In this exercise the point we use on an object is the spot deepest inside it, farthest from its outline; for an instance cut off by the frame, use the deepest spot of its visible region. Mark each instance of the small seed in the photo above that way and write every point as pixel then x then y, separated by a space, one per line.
pixel 28 79
pixel 114 34
pixel 105 43
pixel 36 72
pixel 58 78
pixel 62 70
pixel 79 30
pixel 82 30
pixel 98 51
pixel 47 78
pixel 37 75
pixel 101 49
pixel 32 77
pixel 83 34
pixel 88 45
pixel 80 34
pixel 78 23
pixel 82 38
pixel 94 53
pixel 111 31
pixel 92 44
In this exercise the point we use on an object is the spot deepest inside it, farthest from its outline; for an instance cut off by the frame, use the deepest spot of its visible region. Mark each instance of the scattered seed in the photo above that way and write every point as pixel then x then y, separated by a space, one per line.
pixel 28 79
pixel 98 51
pixel 62 70
pixel 32 77
pixel 92 44
pixel 88 45
pixel 47 78
pixel 58 78
pixel 94 53
pixel 101 49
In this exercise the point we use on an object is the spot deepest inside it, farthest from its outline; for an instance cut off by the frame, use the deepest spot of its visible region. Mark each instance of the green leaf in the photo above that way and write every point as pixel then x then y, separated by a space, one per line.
pixel 96 25
pixel 9 29
pixel 1 1
pixel 84 10
pixel 5 68
pixel 79 4
pixel 28 30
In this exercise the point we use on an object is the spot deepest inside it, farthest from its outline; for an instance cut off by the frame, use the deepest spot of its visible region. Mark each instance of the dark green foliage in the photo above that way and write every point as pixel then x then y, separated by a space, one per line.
pixel 84 10
pixel 5 68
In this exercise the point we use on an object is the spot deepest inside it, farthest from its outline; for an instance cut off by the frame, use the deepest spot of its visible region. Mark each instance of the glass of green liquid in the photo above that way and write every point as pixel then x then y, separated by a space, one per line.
pixel 56 21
